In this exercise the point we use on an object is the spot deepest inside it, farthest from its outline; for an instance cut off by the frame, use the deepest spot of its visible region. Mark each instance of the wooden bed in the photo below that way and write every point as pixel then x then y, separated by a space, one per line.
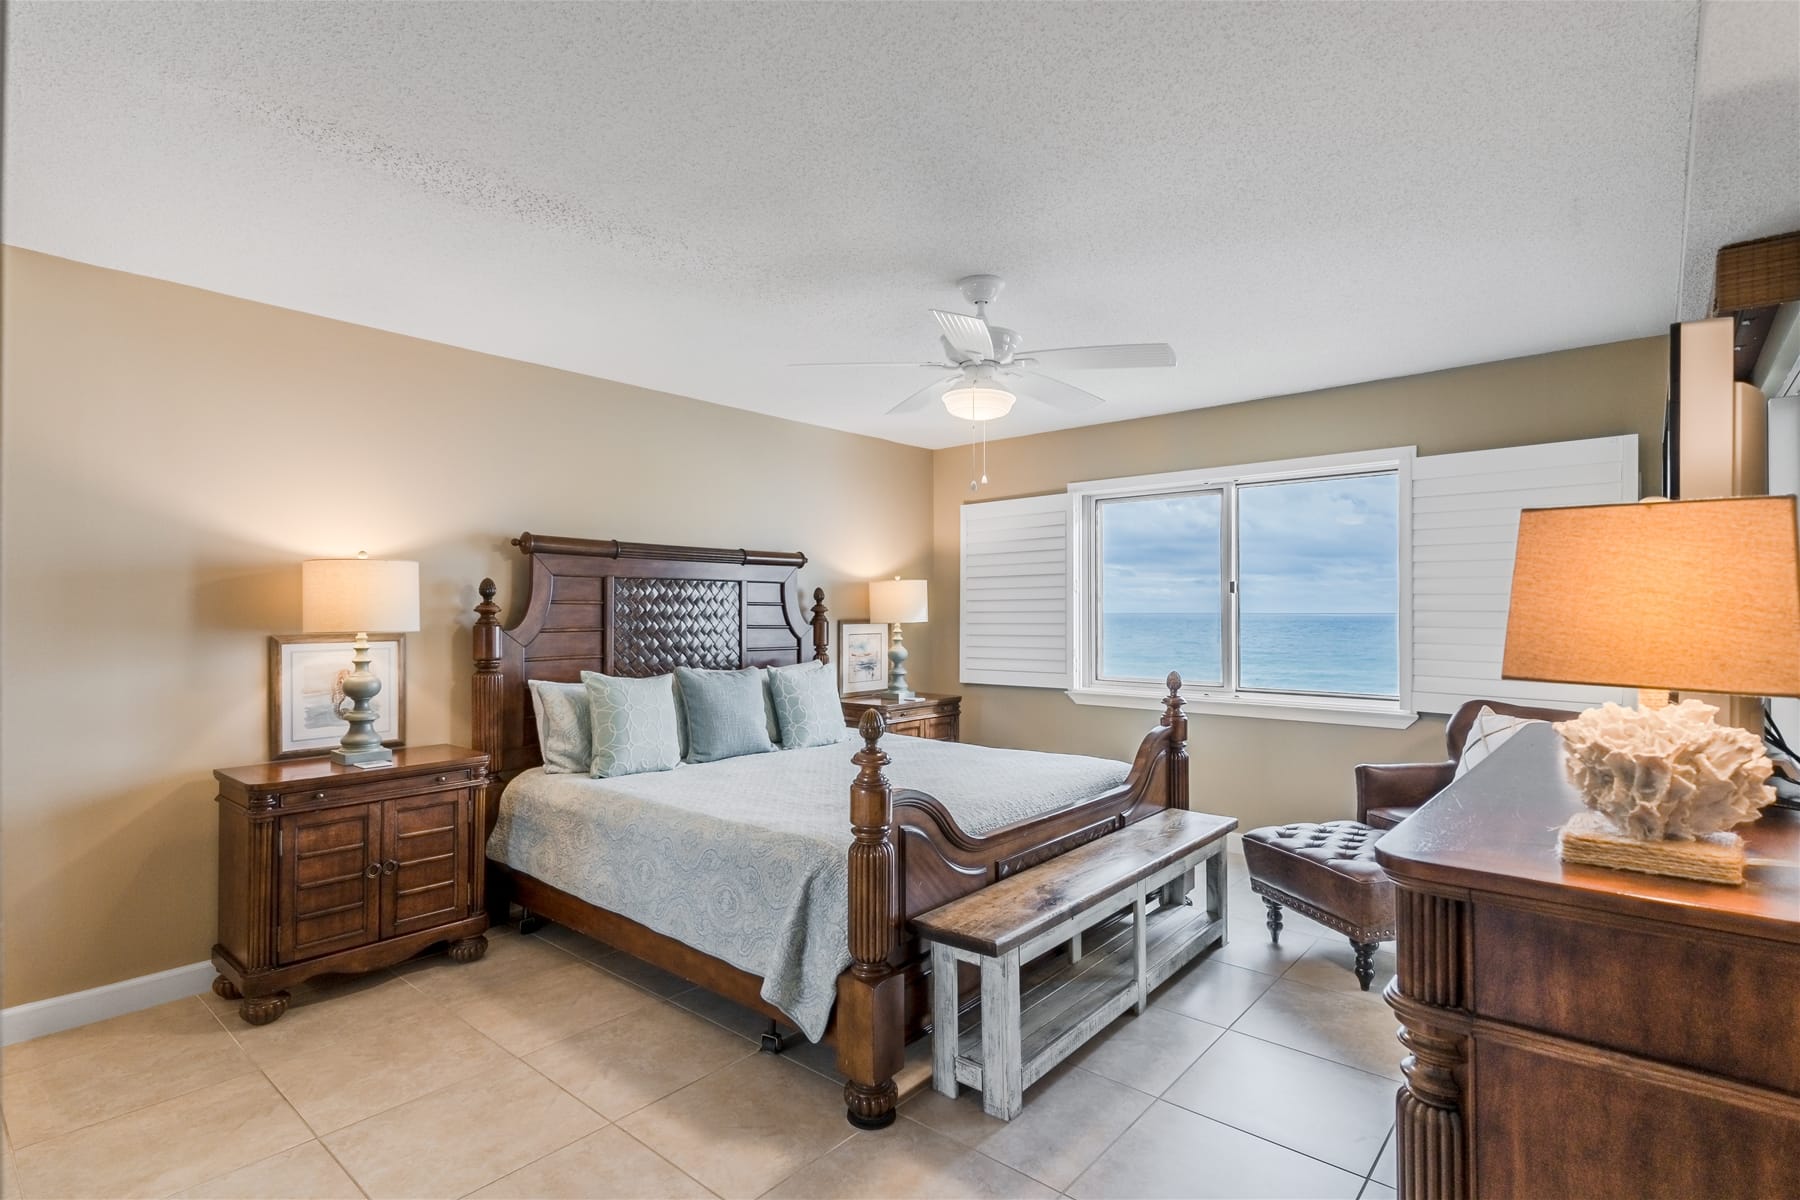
pixel 625 608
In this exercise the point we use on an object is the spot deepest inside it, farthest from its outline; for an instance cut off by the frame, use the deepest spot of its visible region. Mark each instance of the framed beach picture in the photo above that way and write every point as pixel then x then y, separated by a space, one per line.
pixel 306 685
pixel 862 657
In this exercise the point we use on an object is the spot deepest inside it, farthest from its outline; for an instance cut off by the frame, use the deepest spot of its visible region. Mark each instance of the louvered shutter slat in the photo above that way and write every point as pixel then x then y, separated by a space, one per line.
pixel 1015 593
pixel 1465 528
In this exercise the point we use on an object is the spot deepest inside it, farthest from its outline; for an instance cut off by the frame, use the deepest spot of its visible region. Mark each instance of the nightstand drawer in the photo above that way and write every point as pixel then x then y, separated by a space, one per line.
pixel 926 715
pixel 373 785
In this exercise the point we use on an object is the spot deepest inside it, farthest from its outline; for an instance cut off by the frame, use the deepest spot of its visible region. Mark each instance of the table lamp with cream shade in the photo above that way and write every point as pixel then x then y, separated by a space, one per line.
pixel 338 595
pixel 1662 596
pixel 897 602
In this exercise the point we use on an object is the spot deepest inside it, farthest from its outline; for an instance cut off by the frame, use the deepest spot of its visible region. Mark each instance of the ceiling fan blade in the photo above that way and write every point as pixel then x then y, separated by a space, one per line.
pixel 925 395
pixel 965 333
pixel 1054 392
pixel 935 366
pixel 1075 358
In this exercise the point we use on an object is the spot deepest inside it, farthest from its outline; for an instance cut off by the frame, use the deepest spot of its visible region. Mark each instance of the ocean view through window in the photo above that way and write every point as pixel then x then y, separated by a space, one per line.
pixel 1270 584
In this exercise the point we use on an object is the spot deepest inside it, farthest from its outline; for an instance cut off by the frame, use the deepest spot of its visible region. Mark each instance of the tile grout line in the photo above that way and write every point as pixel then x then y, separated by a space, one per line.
pixel 16 1147
pixel 665 1158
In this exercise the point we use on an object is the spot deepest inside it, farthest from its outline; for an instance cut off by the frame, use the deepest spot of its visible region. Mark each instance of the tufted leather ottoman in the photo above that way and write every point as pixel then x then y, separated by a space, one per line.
pixel 1329 873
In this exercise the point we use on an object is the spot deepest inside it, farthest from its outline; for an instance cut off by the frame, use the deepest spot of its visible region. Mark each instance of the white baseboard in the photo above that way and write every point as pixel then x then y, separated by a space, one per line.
pixel 23 1022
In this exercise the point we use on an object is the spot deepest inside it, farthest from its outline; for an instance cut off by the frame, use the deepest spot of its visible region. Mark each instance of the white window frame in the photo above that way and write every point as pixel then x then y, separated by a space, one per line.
pixel 1085 579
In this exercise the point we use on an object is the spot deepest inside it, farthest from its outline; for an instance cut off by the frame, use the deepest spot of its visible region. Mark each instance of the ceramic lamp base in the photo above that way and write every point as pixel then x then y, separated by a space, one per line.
pixel 1589 839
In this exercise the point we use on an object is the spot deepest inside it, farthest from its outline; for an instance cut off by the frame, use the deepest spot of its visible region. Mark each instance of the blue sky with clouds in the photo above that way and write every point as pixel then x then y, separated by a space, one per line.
pixel 1319 546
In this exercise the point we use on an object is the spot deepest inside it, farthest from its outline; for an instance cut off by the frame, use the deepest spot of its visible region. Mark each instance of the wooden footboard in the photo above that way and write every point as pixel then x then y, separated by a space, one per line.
pixel 909 856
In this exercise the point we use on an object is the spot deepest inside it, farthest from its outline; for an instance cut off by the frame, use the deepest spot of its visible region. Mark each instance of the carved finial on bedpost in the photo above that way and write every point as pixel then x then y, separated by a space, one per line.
pixel 870 1093
pixel 485 700
pixel 821 627
pixel 1175 720
pixel 487 629
pixel 1173 703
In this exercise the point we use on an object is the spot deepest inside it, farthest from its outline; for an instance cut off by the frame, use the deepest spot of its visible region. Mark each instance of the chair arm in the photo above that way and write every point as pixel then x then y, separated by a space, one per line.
pixel 1399 785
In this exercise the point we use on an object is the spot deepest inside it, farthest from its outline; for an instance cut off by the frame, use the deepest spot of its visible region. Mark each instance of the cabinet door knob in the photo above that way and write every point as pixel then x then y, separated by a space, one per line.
pixel 318 795
pixel 389 867
pixel 373 870
pixel 443 779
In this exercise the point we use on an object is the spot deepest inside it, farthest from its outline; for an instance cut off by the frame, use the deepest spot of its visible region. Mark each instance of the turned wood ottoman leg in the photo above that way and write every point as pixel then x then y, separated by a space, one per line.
pixel 263 1010
pixel 1274 920
pixel 225 989
pixel 1365 961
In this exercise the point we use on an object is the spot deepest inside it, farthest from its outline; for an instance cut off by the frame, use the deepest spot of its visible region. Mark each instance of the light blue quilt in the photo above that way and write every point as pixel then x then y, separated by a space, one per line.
pixel 745 859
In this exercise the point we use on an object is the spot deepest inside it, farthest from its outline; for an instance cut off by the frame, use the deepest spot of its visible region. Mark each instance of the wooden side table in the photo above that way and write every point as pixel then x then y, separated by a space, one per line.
pixel 927 715
pixel 326 869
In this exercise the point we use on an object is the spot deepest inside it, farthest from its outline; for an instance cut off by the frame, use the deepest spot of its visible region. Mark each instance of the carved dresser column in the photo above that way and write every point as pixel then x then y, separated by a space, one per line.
pixel 1429 995
pixel 871 1012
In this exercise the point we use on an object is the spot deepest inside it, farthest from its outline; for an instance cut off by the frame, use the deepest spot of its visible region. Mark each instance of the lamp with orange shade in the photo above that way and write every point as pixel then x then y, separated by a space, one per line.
pixel 1693 595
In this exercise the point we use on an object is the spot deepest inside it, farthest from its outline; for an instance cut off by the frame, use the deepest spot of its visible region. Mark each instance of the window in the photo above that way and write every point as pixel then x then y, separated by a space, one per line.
pixel 1359 588
pixel 1275 586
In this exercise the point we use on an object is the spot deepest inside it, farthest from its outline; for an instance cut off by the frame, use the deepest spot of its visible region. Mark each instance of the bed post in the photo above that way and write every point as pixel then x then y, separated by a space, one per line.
pixel 871 1008
pixel 821 628
pixel 484 730
pixel 1176 722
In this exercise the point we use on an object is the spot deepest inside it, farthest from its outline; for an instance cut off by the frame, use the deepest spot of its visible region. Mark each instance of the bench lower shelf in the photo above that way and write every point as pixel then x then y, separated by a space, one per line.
pixel 1064 1002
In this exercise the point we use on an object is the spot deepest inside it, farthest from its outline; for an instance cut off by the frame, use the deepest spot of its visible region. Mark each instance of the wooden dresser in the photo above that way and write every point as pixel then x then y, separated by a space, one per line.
pixel 327 869
pixel 1575 1031
pixel 927 715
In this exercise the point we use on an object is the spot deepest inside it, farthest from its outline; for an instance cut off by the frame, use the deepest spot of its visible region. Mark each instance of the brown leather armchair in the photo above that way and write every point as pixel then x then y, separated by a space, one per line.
pixel 1388 793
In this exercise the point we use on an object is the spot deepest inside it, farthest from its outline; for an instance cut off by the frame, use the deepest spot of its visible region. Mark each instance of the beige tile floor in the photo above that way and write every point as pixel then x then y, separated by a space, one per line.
pixel 558 1067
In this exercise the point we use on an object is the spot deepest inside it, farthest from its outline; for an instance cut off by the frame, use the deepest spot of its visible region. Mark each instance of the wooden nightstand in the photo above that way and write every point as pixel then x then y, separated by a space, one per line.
pixel 927 715
pixel 326 869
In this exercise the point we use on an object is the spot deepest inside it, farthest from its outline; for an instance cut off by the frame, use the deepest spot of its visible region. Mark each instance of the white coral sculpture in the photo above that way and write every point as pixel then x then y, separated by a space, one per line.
pixel 1667 772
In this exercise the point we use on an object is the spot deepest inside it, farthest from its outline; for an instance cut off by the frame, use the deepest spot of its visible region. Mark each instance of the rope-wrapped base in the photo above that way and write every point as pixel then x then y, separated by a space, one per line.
pixel 1591 840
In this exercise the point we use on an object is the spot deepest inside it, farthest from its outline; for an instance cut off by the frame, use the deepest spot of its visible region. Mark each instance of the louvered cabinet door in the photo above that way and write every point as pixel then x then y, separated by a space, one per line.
pixel 425 860
pixel 328 887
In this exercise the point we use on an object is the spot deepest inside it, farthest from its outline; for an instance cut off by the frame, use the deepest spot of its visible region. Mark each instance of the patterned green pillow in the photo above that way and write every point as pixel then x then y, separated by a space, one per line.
pixel 633 723
pixel 807 706
pixel 564 736
pixel 725 711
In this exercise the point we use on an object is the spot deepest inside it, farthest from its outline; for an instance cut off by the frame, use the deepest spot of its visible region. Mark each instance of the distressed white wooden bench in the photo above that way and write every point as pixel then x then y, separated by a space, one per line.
pixel 1024 1031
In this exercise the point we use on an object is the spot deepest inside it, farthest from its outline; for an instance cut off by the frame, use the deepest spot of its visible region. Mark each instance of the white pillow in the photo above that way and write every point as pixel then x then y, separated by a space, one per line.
pixel 1489 732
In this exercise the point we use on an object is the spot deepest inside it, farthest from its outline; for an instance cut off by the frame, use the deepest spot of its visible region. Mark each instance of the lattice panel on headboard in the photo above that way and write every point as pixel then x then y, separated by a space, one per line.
pixel 661 624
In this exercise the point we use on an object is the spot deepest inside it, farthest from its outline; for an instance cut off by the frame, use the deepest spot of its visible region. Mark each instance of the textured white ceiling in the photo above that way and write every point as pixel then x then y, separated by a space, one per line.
pixel 688 197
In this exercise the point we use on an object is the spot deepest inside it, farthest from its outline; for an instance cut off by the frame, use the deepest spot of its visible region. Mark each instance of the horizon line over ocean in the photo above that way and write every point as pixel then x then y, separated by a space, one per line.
pixel 1344 653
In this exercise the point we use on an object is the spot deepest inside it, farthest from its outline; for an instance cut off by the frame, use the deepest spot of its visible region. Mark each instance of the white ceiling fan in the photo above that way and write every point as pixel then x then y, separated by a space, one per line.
pixel 992 368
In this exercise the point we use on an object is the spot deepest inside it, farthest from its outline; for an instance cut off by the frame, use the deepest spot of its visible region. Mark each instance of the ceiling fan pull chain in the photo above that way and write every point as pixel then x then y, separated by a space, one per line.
pixel 972 484
pixel 984 452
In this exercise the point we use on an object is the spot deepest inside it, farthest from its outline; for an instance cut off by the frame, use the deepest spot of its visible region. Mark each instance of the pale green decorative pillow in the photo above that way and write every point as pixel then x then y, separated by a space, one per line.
pixel 564 737
pixel 634 724
pixel 726 713
pixel 807 706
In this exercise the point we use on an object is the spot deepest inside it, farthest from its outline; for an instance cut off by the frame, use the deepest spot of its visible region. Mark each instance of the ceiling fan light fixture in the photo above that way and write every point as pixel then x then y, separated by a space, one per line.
pixel 978 402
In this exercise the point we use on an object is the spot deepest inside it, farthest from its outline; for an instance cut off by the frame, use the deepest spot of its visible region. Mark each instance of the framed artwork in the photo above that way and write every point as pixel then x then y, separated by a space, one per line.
pixel 306 684
pixel 862 657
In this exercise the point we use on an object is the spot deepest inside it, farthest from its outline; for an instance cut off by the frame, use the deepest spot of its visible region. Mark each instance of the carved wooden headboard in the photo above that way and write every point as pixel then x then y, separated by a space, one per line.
pixel 626 608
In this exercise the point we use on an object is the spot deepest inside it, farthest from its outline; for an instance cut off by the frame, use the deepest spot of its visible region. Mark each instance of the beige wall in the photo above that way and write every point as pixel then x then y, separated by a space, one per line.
pixel 170 455
pixel 1266 771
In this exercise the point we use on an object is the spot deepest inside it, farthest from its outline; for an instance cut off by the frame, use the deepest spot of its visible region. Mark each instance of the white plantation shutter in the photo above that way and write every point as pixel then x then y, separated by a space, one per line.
pixel 1015 592
pixel 1465 528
